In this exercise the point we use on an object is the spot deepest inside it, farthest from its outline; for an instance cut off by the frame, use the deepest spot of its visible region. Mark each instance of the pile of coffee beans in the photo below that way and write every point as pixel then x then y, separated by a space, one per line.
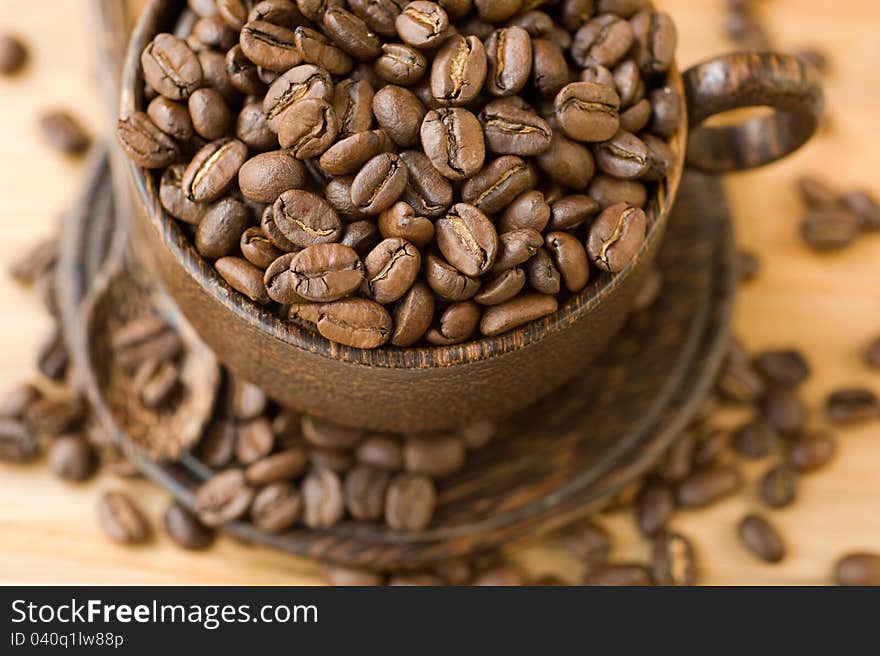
pixel 835 220
pixel 410 172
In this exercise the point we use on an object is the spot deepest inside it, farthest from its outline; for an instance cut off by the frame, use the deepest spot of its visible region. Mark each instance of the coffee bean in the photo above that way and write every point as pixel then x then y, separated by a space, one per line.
pixel 272 47
pixel 361 236
pixel 427 191
pixel 326 272
pixel 571 211
pixel 567 162
pixel 15 402
pixel 364 490
pixel 280 466
pixel 468 240
pixel 156 383
pixel 502 288
pixel 655 506
pixel 616 236
pixel 338 462
pixel 379 184
pixel 549 67
pixel 242 73
pixel 315 9
pixel 667 113
pixel 739 382
pixel 871 354
pixel 49 416
pixel 852 406
pixel 13 54
pixel 603 40
pixel 121 520
pixel 608 191
pixel 436 456
pixel 510 130
pixel 784 367
pixel 673 560
pixel 588 111
pixel 655 41
pixel 497 11
pixel 223 498
pixel 778 487
pixel 349 154
pixel 327 435
pixel 784 410
pixel 380 451
pixel 221 228
pixel 276 508
pixel 391 269
pixel 587 541
pixel 422 24
pixel 243 277
pixel 542 273
pixel 410 502
pixel 498 184
pixel 636 118
pixel 380 15
pixel 401 64
pixel 400 113
pixel 453 140
pixel 171 67
pixel 351 34
pixel 213 169
pixel 172 118
pixel 830 228
pixel 570 259
pixel 252 128
pixel 811 451
pixel 816 193
pixel 528 210
pixel 501 575
pixel 338 194
pixel 278 281
pixel 306 219
pixel 63 132
pixel 257 249
pixel 459 71
pixel 755 439
pixel 761 538
pixel 413 315
pixel 317 49
pixel 706 486
pixel 620 574
pixel 858 569
pixel 210 115
pixel 400 222
pixel 255 441
pixel 308 128
pixel 265 177
pixel 355 322
pixel 865 206
pixel 185 529
pixel 509 53
pixel 217 447
pixel 17 443
pixel 323 500
pixel 512 314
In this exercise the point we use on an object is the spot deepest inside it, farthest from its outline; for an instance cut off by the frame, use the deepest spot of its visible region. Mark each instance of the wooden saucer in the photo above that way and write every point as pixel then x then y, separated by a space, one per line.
pixel 563 458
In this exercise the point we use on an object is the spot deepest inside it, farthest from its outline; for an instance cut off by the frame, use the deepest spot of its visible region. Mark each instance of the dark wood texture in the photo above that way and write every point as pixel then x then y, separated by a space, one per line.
pixel 562 458
pixel 423 389
pixel 785 83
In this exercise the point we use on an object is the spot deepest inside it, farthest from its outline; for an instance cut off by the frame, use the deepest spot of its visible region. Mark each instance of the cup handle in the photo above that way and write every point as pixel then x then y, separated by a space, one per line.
pixel 787 84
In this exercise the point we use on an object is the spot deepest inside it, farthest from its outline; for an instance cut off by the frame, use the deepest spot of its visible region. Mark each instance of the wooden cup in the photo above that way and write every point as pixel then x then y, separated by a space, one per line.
pixel 430 389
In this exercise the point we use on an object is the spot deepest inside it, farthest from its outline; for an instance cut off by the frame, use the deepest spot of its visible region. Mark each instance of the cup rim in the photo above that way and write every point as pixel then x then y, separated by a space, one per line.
pixel 483 348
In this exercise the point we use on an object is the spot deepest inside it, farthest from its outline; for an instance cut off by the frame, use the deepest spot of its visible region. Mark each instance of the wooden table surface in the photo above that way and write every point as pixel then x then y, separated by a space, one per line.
pixel 827 306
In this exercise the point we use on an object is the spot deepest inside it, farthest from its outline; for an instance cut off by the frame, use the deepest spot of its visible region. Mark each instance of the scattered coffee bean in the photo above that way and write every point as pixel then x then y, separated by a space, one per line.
pixel 755 439
pixel 121 520
pixel 852 406
pixel 13 54
pixel 72 458
pixel 871 355
pixel 185 529
pixel 706 486
pixel 784 411
pixel 654 508
pixel 858 569
pixel 785 368
pixel 761 538
pixel 778 487
pixel 63 132
pixel 673 560
pixel 811 451
pixel 587 541
pixel 17 443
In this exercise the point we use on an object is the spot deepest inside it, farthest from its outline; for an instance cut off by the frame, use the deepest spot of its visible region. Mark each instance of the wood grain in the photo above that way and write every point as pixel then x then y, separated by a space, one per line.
pixel 829 306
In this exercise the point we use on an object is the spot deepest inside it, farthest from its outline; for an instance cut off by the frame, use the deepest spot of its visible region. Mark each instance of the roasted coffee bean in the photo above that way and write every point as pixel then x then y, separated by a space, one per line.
pixel 457 324
pixel 588 111
pixel 852 406
pixel 278 281
pixel 255 441
pixel 220 230
pixel 468 240
pixel 667 113
pixel 778 487
pixel 410 502
pixel 185 529
pixel 567 162
pixel 327 435
pixel 272 47
pixel 317 49
pixel 516 248
pixel 380 15
pixel 252 128
pixel 654 508
pixel 218 445
pixel 502 288
pixel 351 34
pixel 276 507
pixel 156 383
pixel 349 154
pixel 616 236
pixel 784 410
pixel 858 569
pixel 391 269
pixel 338 194
pixel 413 315
pixel 360 236
pixel 784 368
pixel 172 118
pixel 216 78
pixel 608 191
pixel 459 71
pixel 711 447
pixel 829 228
pixel 453 140
pixel 816 193
pixel 308 128
pixel 243 277
pixel 355 322
pixel 761 538
pixel 755 439
pixel 593 72
pixel 364 489
pixel 528 210
pixel 628 82
pixel 636 118
pixel 210 114
pixel 213 169
pixel 15 402
pixel 509 53
pixel 299 83
pixel 587 541
pixel 17 442
pixel 524 309
pixel 739 382
pixel 549 67
pixel 326 272
pixel 379 184
pixel 570 259
pixel 121 520
pixel 306 219
pixel 620 574
pixel 571 211
pixel 811 451
pixel 655 41
pixel 673 561
pixel 422 24
pixel 400 222
pixel 871 354
pixel 338 462
pixel 171 67
pixel 865 206
pixel 542 273
pixel 13 54
pixel 706 486
pixel 314 10
pixel 456 9
pixel 144 143
pixel 248 400
pixel 265 177
pixel 625 156
pixel 52 357
pixel 498 184
pixel 400 113
pixel 223 498
pixel 280 466
pixel 214 32
pixel 353 102
pixel 427 191
pixel 574 13
pixel 380 451
pixel 604 40
pixel 401 64
pixel 242 73
pixel 509 130
pixel 323 500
